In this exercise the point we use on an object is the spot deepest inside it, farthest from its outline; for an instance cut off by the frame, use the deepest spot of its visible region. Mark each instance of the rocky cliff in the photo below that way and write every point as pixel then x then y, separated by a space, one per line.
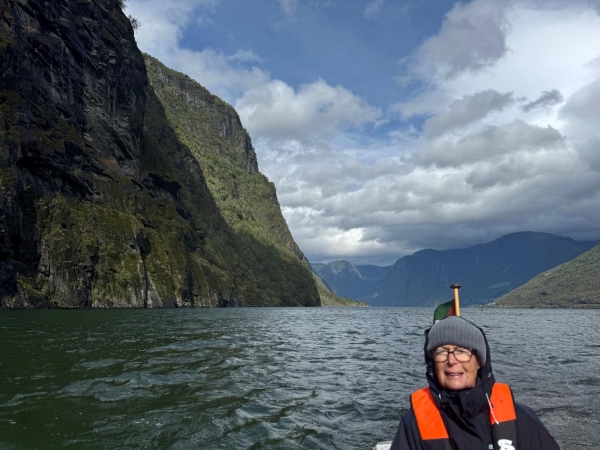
pixel 102 204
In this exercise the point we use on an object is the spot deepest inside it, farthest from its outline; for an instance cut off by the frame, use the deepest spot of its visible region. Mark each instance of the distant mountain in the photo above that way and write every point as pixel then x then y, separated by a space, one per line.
pixel 330 298
pixel 486 271
pixel 574 284
pixel 344 279
pixel 316 266
pixel 372 271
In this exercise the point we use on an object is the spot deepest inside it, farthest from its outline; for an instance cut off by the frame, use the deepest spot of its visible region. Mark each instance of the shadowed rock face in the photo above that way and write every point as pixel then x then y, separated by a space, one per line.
pixel 101 204
pixel 73 68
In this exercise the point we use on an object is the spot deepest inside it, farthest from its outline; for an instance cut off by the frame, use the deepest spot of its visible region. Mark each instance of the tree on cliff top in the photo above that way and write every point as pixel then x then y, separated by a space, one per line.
pixel 135 23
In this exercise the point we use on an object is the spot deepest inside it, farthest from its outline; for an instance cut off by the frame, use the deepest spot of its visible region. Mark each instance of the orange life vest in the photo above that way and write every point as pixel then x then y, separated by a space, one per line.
pixel 433 431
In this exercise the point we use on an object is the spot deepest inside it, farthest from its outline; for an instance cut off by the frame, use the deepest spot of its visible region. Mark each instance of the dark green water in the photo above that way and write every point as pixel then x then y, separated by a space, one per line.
pixel 326 378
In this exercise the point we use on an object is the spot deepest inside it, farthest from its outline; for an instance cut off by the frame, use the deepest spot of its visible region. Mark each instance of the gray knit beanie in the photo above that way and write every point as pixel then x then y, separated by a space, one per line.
pixel 457 331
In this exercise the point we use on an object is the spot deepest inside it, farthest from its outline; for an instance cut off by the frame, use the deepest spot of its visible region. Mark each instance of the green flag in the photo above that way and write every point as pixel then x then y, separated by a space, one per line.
pixel 444 310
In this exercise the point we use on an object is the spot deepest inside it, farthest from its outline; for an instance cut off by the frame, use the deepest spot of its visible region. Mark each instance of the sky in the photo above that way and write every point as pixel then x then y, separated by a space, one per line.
pixel 390 126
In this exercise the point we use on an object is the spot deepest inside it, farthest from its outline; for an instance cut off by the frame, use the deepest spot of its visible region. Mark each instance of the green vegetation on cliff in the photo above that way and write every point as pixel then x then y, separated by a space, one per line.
pixel 574 284
pixel 212 130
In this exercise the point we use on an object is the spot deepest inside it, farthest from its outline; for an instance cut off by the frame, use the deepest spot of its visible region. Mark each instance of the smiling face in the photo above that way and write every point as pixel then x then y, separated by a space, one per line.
pixel 454 375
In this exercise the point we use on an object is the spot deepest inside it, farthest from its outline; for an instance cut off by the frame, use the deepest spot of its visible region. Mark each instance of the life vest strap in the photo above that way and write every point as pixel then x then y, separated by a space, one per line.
pixel 502 403
pixel 429 419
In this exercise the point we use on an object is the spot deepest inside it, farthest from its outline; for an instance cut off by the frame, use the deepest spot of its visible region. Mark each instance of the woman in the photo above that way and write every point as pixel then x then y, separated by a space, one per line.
pixel 464 408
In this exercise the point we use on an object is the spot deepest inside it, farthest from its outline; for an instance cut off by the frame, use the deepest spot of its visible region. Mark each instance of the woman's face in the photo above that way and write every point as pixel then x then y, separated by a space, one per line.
pixel 455 375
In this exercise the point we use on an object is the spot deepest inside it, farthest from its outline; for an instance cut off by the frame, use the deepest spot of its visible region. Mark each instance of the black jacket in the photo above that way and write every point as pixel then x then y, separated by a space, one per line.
pixel 467 418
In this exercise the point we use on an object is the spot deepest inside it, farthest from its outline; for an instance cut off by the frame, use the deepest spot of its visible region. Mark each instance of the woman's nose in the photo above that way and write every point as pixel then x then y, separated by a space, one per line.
pixel 453 361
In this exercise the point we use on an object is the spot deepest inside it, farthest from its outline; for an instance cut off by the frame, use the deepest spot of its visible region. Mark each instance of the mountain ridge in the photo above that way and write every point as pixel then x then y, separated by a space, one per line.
pixel 486 271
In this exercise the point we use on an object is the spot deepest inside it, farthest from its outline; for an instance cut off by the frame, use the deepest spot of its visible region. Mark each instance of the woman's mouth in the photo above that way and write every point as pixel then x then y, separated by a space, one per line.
pixel 453 374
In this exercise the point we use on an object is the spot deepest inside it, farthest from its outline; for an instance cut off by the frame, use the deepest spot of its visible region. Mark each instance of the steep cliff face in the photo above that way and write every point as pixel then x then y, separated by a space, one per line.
pixel 213 132
pixel 211 125
pixel 101 203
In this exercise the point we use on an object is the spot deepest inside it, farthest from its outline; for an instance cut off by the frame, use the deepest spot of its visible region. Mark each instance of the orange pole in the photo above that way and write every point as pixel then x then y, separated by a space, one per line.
pixel 456 287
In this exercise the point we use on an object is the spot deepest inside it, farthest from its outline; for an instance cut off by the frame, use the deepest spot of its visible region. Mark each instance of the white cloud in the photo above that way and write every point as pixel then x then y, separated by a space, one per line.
pixel 372 8
pixel 545 52
pixel 162 22
pixel 589 152
pixel 523 168
pixel 471 38
pixel 582 110
pixel 275 110
pixel 582 117
pixel 245 56
pixel 466 110
pixel 223 76
pixel 491 143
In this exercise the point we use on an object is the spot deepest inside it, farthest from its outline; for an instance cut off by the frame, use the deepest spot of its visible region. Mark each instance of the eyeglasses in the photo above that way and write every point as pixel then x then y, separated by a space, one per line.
pixel 462 355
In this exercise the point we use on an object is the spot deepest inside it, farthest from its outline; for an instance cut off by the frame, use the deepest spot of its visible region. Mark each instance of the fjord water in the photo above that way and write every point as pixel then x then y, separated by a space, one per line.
pixel 276 378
